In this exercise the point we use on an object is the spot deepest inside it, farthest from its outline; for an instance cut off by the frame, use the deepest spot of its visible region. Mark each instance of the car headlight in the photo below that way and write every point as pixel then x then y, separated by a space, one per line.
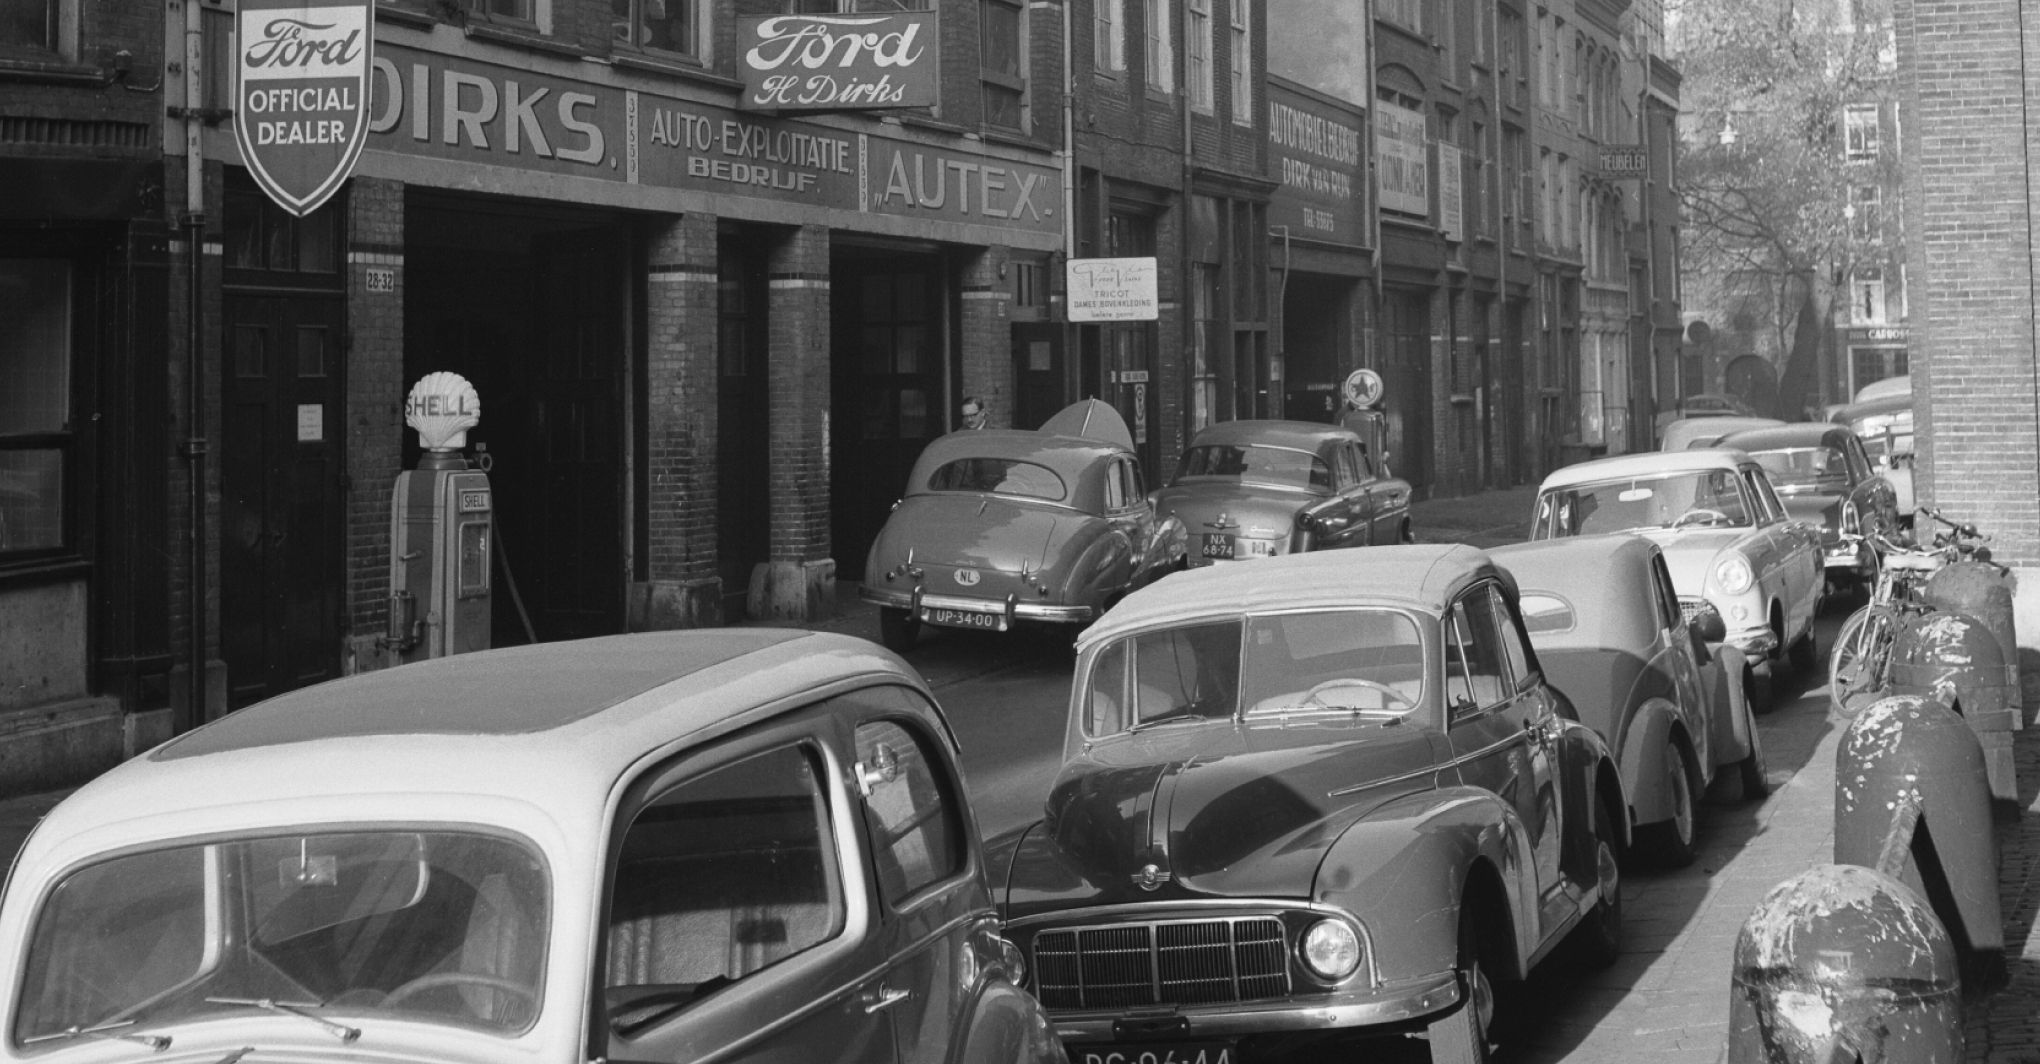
pixel 1733 574
pixel 1852 522
pixel 1331 950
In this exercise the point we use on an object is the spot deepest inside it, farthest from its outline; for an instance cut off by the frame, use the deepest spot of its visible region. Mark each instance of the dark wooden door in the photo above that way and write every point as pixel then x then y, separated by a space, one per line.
pixel 281 516
pixel 886 358
pixel 1039 377
pixel 743 425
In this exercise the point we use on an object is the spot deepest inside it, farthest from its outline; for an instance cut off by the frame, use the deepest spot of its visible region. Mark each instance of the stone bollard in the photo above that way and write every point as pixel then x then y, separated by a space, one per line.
pixel 1984 592
pixel 1912 801
pixel 1842 963
pixel 1953 657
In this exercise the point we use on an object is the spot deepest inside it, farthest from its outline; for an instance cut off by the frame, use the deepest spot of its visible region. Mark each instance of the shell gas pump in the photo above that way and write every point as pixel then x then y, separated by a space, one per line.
pixel 441 526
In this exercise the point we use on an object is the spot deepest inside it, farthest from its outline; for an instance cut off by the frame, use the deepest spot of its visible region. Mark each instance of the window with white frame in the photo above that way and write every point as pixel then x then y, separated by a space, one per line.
pixel 1866 213
pixel 1161 46
pixel 675 26
pixel 1198 55
pixel 1242 61
pixel 1859 126
pixel 1108 36
pixel 1003 70
pixel 1866 297
pixel 36 426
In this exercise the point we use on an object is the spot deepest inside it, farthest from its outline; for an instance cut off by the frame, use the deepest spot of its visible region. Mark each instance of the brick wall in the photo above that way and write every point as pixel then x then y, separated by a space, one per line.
pixel 374 405
pixel 987 332
pixel 1968 122
pixel 798 278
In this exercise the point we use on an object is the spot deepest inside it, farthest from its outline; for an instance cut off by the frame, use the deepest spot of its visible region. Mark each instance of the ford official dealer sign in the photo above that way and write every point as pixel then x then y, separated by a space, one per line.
pixel 301 95
pixel 839 62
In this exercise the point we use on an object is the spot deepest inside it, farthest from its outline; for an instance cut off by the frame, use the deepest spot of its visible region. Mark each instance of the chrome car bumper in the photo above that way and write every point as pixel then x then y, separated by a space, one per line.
pixel 1757 641
pixel 1011 606
pixel 1412 1000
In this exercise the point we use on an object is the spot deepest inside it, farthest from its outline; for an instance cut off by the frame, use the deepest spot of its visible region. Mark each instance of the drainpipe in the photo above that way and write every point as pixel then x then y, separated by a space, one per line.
pixel 1072 359
pixel 195 442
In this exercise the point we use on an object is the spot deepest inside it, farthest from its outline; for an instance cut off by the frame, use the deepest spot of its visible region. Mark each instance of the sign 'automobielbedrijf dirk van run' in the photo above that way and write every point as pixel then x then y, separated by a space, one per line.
pixel 301 95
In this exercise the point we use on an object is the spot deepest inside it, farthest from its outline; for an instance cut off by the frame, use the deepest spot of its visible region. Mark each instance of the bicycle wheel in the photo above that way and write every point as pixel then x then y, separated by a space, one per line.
pixel 1861 662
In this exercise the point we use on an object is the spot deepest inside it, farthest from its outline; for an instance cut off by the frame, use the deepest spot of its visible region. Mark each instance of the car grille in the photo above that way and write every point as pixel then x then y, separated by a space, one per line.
pixel 1186 962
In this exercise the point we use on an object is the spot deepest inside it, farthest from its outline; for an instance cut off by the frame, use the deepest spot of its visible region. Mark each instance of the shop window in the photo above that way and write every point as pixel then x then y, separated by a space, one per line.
pixel 36 435
pixel 1108 38
pixel 1161 47
pixel 673 26
pixel 262 236
pixel 1198 64
pixel 1004 65
pixel 1242 62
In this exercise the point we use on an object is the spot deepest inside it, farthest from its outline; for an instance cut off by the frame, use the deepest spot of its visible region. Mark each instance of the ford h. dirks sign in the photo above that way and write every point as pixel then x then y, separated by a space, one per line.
pixel 301 95
pixel 839 62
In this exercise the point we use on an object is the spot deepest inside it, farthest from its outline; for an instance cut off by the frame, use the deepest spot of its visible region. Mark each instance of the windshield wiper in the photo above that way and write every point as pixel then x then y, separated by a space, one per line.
pixel 293 1008
pixel 109 1029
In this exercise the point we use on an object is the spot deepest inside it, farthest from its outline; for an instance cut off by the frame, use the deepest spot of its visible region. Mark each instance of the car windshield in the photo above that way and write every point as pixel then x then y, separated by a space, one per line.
pixel 1805 469
pixel 1706 498
pixel 1000 476
pixel 1322 661
pixel 440 927
pixel 1251 463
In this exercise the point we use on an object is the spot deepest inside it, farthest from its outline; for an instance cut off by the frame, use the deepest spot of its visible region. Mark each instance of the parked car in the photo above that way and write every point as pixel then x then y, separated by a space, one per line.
pixel 742 845
pixel 1825 478
pixel 1704 404
pixel 1726 535
pixel 1885 425
pixel 1258 489
pixel 1002 526
pixel 1687 434
pixel 1328 794
pixel 1605 621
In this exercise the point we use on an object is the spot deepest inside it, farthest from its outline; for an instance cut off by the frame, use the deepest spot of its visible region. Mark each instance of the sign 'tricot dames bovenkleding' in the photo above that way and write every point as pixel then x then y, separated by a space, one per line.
pixel 301 95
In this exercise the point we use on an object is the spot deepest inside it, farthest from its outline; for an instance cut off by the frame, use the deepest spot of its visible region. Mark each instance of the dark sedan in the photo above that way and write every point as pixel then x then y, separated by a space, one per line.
pixel 1824 476
pixel 1257 489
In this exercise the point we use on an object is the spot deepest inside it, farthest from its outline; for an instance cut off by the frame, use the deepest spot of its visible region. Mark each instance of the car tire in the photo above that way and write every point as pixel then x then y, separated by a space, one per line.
pixel 1461 1036
pixel 1599 936
pixel 1752 773
pixel 1669 843
pixel 898 631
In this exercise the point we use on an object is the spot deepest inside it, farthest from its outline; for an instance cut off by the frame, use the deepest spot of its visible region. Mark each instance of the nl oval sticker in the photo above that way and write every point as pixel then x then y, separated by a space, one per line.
pixel 301 95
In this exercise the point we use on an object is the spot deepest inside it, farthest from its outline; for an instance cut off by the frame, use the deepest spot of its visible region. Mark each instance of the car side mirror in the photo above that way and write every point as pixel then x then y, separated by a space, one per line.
pixel 1708 625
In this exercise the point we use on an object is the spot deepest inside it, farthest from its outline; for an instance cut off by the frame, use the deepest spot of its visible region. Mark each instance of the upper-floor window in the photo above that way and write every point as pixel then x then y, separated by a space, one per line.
pixel 1161 46
pixel 512 11
pixel 1859 126
pixel 1243 61
pixel 1409 14
pixel 1004 70
pixel 676 26
pixel 1198 54
pixel 32 29
pixel 1866 297
pixel 1108 37
pixel 36 428
pixel 1866 212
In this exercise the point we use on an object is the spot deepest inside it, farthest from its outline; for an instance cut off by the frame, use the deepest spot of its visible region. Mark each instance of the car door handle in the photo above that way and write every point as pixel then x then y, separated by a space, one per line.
pixel 882 998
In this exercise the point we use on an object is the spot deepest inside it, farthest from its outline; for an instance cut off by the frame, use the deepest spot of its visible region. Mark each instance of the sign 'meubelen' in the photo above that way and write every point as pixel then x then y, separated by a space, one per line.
pixel 301 95
pixel 839 62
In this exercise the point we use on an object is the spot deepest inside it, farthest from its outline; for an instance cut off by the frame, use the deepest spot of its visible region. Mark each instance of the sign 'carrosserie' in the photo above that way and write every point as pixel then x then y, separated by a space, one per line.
pixel 839 62
pixel 301 95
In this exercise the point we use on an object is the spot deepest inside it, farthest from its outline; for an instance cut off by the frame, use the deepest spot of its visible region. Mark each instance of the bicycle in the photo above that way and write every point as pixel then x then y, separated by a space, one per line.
pixel 1861 662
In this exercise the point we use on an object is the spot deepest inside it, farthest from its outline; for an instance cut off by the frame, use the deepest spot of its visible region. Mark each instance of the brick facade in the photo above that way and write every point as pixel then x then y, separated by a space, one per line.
pixel 375 382
pixel 800 579
pixel 681 587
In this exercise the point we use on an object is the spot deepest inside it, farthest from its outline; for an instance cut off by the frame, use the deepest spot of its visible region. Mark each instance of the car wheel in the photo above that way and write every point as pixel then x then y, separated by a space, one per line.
pixel 1462 1036
pixel 1756 685
pixel 1669 843
pixel 1600 933
pixel 897 629
pixel 1751 772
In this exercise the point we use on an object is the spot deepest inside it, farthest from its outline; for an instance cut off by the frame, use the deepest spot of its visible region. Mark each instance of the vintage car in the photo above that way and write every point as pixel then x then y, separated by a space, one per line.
pixel 1329 794
pixel 1686 434
pixel 1608 631
pixel 1885 425
pixel 1704 404
pixel 1727 538
pixel 742 845
pixel 1257 489
pixel 1001 526
pixel 1825 477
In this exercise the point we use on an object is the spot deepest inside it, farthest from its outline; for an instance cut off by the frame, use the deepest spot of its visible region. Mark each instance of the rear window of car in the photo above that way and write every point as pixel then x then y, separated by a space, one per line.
pixel 1817 468
pixel 1000 476
pixel 1281 466
pixel 1543 612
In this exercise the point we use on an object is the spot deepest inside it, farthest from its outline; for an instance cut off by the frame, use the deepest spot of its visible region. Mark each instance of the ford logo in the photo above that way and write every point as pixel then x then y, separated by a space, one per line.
pixel 967 577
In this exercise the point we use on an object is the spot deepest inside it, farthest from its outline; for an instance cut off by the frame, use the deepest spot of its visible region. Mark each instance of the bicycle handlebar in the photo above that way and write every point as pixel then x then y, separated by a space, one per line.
pixel 1963 529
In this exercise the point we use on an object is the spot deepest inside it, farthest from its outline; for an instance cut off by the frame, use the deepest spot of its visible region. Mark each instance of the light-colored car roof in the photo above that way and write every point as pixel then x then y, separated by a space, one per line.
pixel 1606 579
pixel 1798 434
pixel 1644 464
pixel 1302 435
pixel 1687 433
pixel 1069 456
pixel 554 724
pixel 1423 576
